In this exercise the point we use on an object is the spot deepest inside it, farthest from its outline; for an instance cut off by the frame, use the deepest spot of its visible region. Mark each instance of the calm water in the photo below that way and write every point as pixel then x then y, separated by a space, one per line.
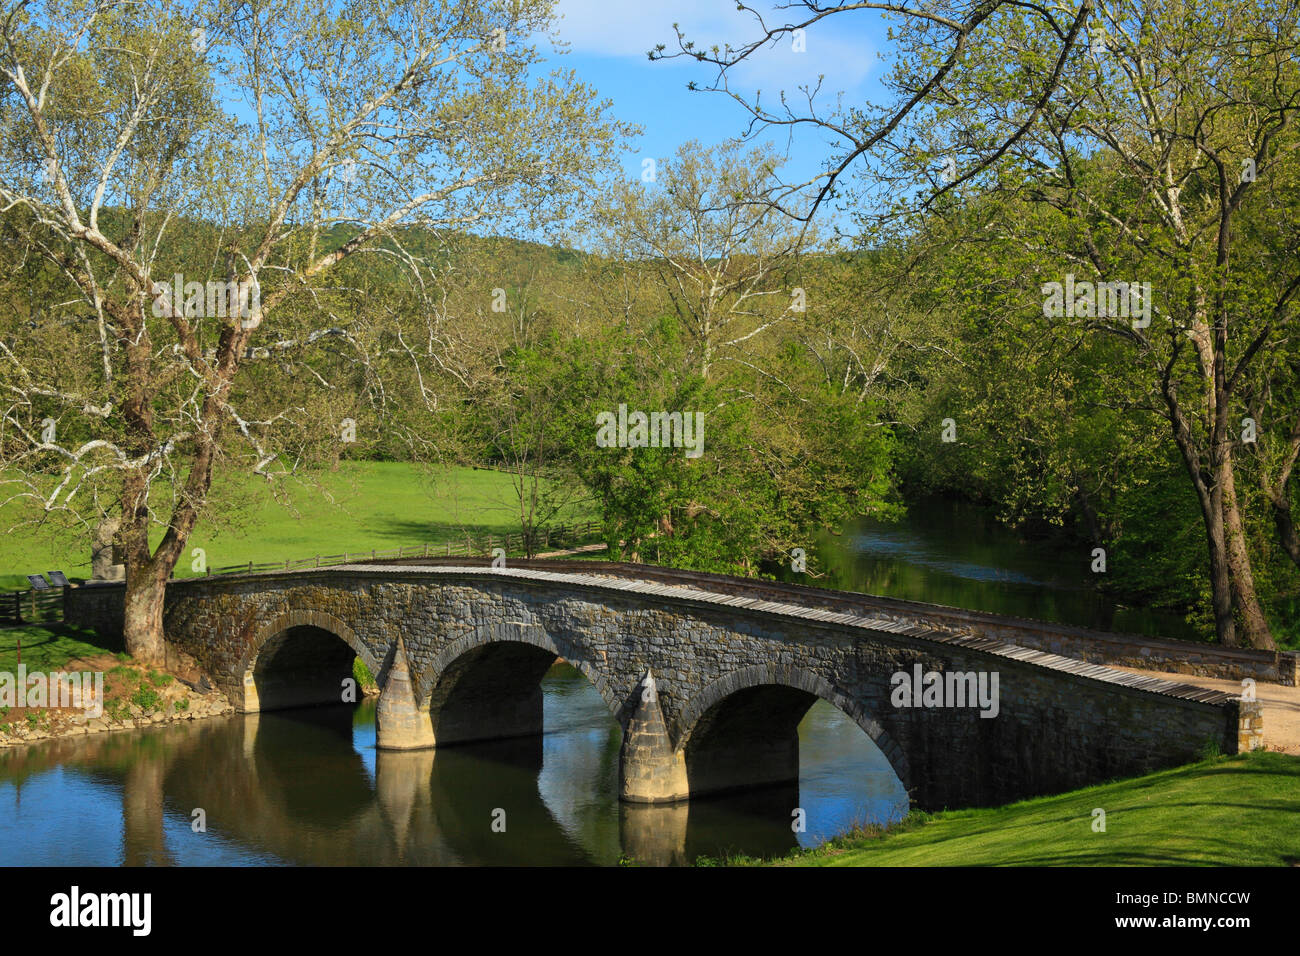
pixel 949 552
pixel 309 787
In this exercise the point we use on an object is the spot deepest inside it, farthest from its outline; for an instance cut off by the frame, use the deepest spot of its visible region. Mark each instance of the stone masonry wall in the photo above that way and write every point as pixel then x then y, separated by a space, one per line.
pixel 1054 731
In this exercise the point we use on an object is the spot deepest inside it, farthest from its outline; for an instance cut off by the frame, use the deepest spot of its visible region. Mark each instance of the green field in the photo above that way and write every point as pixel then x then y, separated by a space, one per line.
pixel 50 647
pixel 1232 811
pixel 362 506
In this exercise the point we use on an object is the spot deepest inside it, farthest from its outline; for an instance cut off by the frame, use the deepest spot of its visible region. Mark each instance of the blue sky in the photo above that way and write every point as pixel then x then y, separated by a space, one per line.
pixel 608 40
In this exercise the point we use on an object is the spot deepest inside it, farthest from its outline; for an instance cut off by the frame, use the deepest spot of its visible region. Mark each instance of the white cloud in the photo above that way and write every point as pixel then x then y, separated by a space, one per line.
pixel 629 28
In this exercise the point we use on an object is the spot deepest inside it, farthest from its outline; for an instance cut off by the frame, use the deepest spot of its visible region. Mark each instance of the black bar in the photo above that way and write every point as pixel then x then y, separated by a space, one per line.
pixel 854 907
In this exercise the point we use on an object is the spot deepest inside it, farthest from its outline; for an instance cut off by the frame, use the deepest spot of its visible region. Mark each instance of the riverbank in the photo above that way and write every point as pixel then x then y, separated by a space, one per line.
pixel 114 693
pixel 1225 811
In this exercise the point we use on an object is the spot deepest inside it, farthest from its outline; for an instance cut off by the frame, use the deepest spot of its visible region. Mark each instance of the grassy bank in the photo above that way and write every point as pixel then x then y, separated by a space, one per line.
pixel 1230 811
pixel 50 647
pixel 133 696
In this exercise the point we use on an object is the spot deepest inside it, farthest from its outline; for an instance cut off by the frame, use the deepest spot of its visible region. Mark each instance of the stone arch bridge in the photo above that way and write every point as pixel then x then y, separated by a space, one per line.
pixel 708 682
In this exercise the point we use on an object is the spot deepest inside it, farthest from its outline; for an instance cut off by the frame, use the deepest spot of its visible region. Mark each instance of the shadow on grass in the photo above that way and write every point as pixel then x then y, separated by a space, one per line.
pixel 52 645
pixel 419 532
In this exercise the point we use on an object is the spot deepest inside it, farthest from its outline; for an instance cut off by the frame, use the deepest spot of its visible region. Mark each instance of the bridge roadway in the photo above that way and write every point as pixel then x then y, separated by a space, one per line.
pixel 707 681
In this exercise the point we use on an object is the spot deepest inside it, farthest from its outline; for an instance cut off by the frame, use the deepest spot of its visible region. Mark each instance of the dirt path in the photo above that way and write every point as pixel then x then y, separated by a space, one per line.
pixel 1281 705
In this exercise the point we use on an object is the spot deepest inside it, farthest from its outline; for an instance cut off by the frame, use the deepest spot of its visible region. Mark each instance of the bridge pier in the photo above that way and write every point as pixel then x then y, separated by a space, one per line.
pixel 400 723
pixel 650 769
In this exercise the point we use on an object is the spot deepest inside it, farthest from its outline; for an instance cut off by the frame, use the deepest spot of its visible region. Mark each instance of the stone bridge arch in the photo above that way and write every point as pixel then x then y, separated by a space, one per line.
pixel 486 684
pixel 294 660
pixel 741 729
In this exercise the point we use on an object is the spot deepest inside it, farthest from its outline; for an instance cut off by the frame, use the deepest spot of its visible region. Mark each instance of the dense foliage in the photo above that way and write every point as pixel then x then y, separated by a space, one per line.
pixel 828 380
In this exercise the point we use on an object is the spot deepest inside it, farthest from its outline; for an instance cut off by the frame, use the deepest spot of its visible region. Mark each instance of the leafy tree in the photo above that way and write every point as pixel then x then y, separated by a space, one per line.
pixel 1139 171
pixel 308 136
pixel 710 231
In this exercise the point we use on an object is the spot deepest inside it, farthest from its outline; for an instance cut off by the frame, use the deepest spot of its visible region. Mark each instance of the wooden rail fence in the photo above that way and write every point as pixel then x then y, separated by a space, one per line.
pixel 31 607
pixel 46 606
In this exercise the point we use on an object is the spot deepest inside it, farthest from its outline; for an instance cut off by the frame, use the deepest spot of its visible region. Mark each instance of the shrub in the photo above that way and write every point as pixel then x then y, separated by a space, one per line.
pixel 146 698
pixel 365 680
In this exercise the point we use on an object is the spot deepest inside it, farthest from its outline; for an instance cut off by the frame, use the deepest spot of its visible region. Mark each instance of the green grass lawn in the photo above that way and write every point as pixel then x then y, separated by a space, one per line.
pixel 50 647
pixel 1230 811
pixel 362 506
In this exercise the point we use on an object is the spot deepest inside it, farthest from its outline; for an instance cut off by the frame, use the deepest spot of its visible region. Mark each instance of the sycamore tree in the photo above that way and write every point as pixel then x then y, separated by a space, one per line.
pixel 708 226
pixel 1274 400
pixel 929 43
pixel 1151 202
pixel 740 322
pixel 1150 144
pixel 194 179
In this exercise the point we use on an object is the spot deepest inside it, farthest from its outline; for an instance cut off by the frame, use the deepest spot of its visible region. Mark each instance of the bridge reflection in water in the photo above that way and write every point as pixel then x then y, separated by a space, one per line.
pixel 308 787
